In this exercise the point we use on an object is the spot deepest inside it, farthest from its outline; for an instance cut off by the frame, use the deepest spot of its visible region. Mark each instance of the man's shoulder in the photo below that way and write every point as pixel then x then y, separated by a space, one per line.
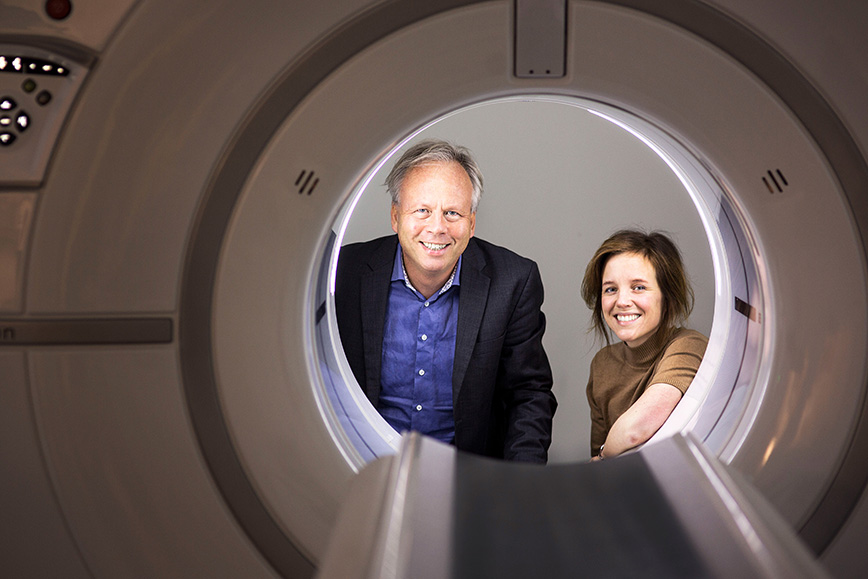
pixel 356 253
pixel 497 255
pixel 369 246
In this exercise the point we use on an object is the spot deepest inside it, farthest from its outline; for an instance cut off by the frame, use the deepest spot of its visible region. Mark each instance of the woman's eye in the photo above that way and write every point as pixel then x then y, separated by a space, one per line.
pixel 639 288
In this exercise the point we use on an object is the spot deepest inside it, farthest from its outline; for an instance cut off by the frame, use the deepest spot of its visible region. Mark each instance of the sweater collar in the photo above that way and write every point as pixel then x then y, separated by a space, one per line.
pixel 647 351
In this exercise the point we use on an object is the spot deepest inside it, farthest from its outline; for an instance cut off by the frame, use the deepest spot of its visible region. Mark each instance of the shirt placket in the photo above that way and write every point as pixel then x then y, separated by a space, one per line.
pixel 425 342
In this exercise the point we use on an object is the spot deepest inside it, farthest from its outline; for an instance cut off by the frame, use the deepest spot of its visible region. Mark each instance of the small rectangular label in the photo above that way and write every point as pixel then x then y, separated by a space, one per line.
pixel 540 38
pixel 747 310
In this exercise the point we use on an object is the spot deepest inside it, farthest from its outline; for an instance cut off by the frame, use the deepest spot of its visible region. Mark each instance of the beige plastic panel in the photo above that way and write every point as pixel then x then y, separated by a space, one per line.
pixel 90 23
pixel 16 215
pixel 802 238
pixel 36 541
pixel 151 124
pixel 737 127
pixel 136 493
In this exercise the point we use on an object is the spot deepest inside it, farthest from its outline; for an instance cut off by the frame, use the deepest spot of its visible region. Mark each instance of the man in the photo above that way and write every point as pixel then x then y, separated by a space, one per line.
pixel 444 331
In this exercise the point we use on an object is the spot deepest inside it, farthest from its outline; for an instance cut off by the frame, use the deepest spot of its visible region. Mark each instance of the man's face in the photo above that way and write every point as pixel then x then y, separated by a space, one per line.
pixel 433 222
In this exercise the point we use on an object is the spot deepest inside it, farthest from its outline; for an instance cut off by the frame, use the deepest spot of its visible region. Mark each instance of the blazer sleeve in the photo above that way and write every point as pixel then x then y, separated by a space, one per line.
pixel 360 307
pixel 525 377
pixel 348 308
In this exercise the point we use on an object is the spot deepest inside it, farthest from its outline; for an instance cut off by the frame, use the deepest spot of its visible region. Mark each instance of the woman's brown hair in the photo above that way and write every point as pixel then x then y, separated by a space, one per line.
pixel 664 257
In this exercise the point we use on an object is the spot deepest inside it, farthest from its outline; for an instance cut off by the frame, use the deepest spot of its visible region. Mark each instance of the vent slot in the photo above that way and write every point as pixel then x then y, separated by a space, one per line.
pixel 775 181
pixel 306 182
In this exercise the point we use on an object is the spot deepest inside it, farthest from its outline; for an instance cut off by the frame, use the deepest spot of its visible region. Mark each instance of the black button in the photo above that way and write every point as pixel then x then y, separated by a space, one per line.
pixel 22 121
pixel 28 85
pixel 43 98
pixel 6 138
pixel 7 104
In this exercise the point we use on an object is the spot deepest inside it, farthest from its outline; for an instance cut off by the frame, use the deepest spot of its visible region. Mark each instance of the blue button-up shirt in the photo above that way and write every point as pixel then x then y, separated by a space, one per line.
pixel 418 352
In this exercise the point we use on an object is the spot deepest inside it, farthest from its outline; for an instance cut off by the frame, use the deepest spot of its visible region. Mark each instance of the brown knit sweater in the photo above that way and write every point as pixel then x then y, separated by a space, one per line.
pixel 620 374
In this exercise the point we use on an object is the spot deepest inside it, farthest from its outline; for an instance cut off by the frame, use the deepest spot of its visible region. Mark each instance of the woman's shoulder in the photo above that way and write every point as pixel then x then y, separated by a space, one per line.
pixel 686 339
pixel 609 352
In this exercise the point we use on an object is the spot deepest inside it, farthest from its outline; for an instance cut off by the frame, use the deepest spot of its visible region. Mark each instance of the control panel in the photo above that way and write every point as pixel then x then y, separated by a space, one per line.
pixel 37 89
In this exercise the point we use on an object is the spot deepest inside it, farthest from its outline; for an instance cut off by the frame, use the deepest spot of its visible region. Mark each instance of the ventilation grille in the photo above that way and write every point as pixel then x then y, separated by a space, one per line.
pixel 306 182
pixel 775 181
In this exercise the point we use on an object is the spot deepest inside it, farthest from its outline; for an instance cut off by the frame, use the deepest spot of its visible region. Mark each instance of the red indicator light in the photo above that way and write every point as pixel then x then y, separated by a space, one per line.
pixel 58 9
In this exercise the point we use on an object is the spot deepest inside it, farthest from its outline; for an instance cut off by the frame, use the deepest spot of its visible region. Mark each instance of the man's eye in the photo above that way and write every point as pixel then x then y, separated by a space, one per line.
pixel 451 215
pixel 422 211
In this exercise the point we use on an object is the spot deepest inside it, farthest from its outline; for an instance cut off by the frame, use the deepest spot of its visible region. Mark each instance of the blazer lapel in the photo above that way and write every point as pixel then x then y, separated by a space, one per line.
pixel 471 305
pixel 374 299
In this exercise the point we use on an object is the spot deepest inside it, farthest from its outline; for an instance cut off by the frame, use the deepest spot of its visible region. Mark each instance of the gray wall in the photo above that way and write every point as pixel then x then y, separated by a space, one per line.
pixel 558 181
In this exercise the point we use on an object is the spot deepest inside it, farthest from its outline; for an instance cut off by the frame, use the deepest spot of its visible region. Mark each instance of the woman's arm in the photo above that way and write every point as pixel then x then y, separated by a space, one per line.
pixel 642 419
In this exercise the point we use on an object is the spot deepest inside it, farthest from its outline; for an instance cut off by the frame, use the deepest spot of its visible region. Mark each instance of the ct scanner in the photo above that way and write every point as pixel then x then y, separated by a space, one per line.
pixel 174 182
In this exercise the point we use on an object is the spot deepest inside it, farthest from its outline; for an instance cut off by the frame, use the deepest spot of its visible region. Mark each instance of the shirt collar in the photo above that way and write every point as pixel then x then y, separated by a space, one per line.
pixel 400 274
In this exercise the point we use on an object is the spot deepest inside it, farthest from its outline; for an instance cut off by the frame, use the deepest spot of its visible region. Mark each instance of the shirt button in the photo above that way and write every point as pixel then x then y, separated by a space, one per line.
pixel 427 304
pixel 418 407
pixel 424 337
pixel 421 372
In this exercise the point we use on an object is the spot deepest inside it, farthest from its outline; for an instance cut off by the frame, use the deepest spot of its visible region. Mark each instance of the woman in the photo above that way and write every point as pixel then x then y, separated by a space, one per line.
pixel 637 287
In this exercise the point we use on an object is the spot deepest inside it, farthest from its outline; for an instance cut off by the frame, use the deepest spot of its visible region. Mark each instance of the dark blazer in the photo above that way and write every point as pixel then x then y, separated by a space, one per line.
pixel 501 379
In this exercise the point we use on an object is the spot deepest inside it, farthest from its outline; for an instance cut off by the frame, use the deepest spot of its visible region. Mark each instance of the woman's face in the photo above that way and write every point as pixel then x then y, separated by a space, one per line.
pixel 631 300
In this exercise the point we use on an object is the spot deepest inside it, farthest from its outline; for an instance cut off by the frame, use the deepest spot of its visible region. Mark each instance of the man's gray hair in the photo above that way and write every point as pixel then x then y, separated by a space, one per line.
pixel 434 151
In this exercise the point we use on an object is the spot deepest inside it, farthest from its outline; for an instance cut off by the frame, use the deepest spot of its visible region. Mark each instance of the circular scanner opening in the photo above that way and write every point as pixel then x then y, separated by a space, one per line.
pixel 273 401
pixel 561 174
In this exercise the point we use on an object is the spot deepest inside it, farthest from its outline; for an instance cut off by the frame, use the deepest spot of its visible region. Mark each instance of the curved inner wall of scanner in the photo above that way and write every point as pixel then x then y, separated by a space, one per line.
pixel 558 181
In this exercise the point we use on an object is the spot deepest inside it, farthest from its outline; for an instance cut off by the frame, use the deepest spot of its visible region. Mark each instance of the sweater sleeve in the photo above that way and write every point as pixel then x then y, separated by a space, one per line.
pixel 680 361
pixel 598 420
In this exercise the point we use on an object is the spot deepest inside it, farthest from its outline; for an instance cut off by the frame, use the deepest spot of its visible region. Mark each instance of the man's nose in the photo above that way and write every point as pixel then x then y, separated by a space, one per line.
pixel 437 223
